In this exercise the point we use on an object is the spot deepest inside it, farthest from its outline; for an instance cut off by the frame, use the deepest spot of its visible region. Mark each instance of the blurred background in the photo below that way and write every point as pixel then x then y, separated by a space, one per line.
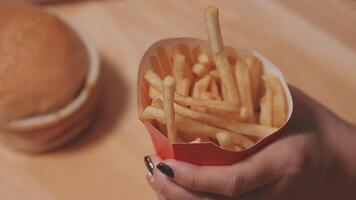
pixel 312 42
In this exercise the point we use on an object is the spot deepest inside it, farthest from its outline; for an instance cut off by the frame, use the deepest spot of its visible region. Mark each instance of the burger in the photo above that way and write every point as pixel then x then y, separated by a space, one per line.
pixel 48 79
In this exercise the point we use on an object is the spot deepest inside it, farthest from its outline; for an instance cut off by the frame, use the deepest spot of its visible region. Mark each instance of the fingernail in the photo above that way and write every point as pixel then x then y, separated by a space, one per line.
pixel 165 169
pixel 149 164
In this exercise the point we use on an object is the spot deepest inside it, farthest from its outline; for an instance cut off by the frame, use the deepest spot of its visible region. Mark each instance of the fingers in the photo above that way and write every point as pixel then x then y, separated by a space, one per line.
pixel 266 192
pixel 247 175
pixel 166 188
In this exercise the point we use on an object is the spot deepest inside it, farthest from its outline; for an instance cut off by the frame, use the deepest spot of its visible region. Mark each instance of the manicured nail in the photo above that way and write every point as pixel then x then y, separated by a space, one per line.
pixel 165 169
pixel 149 164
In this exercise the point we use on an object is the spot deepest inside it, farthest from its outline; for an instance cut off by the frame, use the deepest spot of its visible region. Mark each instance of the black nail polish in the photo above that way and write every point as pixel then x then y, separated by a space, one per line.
pixel 149 164
pixel 165 169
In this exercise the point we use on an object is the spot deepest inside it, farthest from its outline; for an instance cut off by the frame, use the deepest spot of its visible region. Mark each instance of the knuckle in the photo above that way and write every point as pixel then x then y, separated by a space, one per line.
pixel 233 185
pixel 296 165
pixel 192 182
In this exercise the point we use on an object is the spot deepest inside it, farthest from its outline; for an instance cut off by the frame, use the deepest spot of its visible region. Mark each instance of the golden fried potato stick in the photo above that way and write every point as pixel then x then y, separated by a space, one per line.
pixel 204 59
pixel 237 148
pixel 255 70
pixel 201 86
pixel 168 107
pixel 195 128
pixel 152 78
pixel 279 109
pixel 243 114
pixel 214 88
pixel 157 103
pixel 266 108
pixel 200 70
pixel 225 141
pixel 183 49
pixel 178 66
pixel 183 87
pixel 214 74
pixel 245 89
pixel 253 130
pixel 196 51
pixel 165 63
pixel 156 66
pixel 183 84
pixel 207 95
pixel 228 123
pixel 220 58
pixel 222 106
pixel 200 140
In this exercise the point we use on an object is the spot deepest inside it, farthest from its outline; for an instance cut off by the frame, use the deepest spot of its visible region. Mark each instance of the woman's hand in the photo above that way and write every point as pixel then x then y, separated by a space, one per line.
pixel 313 160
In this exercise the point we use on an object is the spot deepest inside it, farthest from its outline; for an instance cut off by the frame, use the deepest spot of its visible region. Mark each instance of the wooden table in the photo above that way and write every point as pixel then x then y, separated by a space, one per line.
pixel 313 42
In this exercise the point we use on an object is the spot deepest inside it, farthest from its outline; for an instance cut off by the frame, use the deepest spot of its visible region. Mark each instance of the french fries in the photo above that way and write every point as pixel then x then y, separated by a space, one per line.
pixel 266 108
pixel 217 47
pixel 225 141
pixel 222 106
pixel 255 70
pixel 195 128
pixel 219 98
pixel 200 70
pixel 168 100
pixel 245 89
pixel 279 106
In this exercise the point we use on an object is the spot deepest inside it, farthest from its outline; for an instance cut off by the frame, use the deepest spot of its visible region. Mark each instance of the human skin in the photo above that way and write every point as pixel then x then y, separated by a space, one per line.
pixel 313 160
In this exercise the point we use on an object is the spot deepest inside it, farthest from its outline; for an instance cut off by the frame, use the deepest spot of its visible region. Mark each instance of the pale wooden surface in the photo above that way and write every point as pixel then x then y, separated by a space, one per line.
pixel 313 42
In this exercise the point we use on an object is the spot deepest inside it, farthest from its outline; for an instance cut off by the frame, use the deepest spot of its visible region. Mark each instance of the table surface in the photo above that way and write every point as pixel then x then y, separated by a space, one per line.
pixel 313 43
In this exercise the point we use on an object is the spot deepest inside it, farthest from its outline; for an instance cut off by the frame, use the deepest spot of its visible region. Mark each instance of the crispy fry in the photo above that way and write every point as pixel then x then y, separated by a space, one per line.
pixel 178 71
pixel 200 70
pixel 220 58
pixel 253 130
pixel 206 103
pixel 237 148
pixel 222 106
pixel 213 87
pixel 200 140
pixel 195 53
pixel 178 66
pixel 163 58
pixel 168 101
pixel 183 49
pixel 156 66
pixel 255 70
pixel 205 60
pixel 266 108
pixel 244 85
pixel 157 103
pixel 225 141
pixel 183 87
pixel 152 78
pixel 195 128
pixel 154 93
pixel 243 114
pixel 214 74
pixel 279 109
pixel 201 86
pixel 207 95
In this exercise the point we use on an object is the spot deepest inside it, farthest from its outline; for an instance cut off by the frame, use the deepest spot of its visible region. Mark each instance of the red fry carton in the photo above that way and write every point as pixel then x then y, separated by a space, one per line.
pixel 205 153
